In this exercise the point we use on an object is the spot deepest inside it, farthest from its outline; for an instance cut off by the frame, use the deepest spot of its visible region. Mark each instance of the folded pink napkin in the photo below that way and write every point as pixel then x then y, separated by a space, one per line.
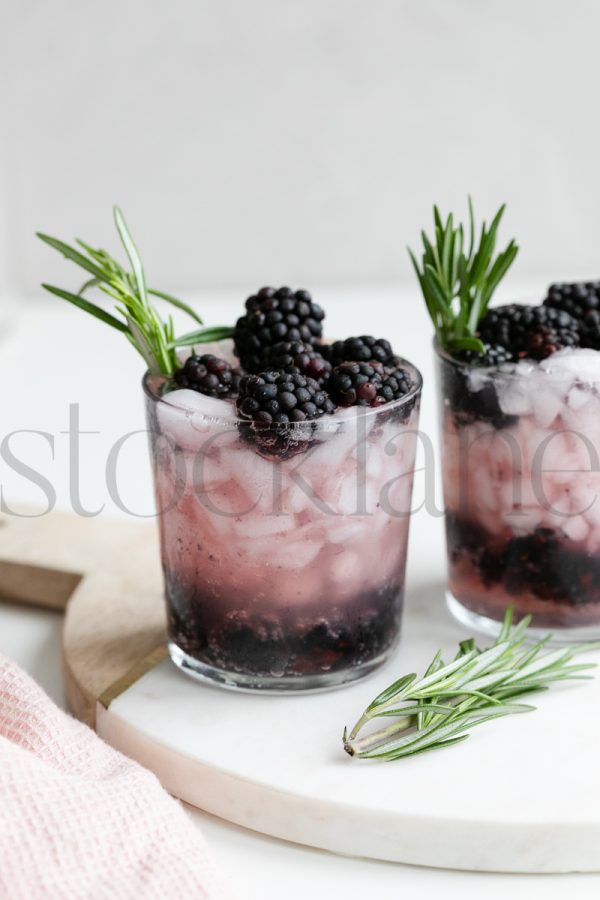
pixel 79 820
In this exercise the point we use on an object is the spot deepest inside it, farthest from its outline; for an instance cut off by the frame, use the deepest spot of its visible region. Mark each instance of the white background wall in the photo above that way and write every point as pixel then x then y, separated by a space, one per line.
pixel 252 141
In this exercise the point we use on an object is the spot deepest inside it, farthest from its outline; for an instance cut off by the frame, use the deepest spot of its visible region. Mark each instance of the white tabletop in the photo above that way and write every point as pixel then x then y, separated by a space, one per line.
pixel 53 356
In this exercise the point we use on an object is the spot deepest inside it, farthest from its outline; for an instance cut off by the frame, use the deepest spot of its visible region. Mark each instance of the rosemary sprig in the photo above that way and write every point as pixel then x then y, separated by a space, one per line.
pixel 439 709
pixel 458 283
pixel 139 320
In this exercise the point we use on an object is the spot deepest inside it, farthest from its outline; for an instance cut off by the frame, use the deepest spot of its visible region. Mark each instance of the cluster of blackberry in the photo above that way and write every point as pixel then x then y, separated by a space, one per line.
pixel 290 377
pixel 297 357
pixel 256 645
pixel 209 375
pixel 542 563
pixel 361 349
pixel 581 300
pixel 532 332
pixel 568 317
pixel 275 316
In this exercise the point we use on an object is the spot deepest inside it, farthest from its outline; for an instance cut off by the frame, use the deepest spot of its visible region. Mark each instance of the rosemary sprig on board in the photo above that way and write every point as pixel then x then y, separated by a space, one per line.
pixel 458 282
pixel 137 318
pixel 439 709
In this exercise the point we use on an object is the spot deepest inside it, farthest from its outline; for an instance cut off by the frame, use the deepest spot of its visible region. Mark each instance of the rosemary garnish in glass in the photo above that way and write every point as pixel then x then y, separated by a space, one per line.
pixel 137 318
pixel 458 283
pixel 439 709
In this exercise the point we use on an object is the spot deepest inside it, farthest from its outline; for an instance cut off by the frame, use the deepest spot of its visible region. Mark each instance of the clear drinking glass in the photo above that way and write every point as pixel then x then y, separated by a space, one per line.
pixel 284 570
pixel 521 478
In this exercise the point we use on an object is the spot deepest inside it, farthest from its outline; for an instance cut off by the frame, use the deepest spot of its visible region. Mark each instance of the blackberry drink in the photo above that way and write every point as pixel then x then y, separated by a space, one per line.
pixel 284 499
pixel 283 470
pixel 520 405
pixel 521 481
pixel 283 549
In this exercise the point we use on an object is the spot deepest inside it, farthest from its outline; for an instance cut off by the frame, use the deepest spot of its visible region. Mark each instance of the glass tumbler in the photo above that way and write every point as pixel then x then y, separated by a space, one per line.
pixel 283 556
pixel 521 478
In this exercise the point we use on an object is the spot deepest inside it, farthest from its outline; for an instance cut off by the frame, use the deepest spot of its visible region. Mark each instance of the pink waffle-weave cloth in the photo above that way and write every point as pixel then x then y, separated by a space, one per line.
pixel 80 820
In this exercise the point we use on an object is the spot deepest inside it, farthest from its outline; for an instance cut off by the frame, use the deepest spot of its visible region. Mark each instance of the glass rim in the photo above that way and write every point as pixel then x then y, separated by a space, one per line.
pixel 325 422
pixel 508 371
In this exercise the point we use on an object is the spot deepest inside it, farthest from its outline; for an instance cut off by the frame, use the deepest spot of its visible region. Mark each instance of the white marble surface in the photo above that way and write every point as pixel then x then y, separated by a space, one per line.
pixel 258 866
pixel 277 765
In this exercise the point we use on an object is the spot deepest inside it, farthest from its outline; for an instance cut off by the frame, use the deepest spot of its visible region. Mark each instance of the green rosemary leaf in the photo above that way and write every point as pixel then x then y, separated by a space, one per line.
pixel 144 348
pixel 417 709
pixel 72 254
pixel 457 253
pixel 447 253
pixel 466 343
pixel 438 289
pixel 426 707
pixel 203 336
pixel 471 228
pixel 391 691
pixel 86 306
pixel 132 254
pixel 174 301
pixel 429 299
pixel 499 269
pixel 91 282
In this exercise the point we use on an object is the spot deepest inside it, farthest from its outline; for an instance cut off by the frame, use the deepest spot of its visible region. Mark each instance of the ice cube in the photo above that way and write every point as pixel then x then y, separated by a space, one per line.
pixel 576 528
pixel 578 397
pixel 348 500
pixel 346 567
pixel 580 363
pixel 250 469
pixel 195 403
pixel 514 397
pixel 189 417
pixel 486 495
pixel 293 555
pixel 259 526
pixel 347 531
pixel 295 500
pixel 592 512
pixel 546 406
pixel 524 519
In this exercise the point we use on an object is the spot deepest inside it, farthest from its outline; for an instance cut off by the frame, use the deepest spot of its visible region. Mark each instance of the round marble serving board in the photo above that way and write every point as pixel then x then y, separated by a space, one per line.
pixel 520 795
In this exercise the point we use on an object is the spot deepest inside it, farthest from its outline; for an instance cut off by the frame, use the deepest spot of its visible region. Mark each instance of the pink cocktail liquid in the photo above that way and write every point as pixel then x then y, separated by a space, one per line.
pixel 521 473
pixel 282 571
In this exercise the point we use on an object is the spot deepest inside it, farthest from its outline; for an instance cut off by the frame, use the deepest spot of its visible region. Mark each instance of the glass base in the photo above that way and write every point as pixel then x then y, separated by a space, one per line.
pixel 271 684
pixel 485 625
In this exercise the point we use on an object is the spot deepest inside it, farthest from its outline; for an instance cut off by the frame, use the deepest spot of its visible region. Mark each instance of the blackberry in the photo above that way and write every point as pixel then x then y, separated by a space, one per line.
pixel 208 374
pixel 470 401
pixel 273 316
pixel 534 332
pixel 356 383
pixel 543 563
pixel 360 349
pixel 581 300
pixel 276 406
pixel 494 355
pixel 393 386
pixel 296 357
pixel 396 384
